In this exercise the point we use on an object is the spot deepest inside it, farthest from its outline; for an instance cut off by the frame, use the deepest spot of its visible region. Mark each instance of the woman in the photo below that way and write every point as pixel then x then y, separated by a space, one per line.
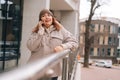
pixel 49 37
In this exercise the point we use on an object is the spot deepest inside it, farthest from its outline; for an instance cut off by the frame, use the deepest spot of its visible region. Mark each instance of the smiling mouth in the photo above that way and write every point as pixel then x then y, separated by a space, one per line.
pixel 47 20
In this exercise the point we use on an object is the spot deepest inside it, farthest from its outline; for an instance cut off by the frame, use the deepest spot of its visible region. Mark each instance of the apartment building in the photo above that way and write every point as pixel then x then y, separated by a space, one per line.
pixel 104 40
pixel 18 17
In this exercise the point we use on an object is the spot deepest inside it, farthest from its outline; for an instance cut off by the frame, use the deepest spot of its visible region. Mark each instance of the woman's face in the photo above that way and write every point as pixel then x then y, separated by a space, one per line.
pixel 47 20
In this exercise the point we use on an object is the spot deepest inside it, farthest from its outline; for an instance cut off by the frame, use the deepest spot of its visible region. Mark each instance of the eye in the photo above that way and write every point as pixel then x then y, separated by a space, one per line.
pixel 49 15
pixel 43 15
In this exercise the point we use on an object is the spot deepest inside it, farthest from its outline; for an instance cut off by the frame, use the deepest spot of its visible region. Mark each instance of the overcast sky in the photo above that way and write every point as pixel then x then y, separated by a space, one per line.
pixel 111 9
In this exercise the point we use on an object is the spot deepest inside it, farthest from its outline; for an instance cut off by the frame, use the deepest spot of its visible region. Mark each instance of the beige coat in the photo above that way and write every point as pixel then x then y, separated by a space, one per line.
pixel 43 44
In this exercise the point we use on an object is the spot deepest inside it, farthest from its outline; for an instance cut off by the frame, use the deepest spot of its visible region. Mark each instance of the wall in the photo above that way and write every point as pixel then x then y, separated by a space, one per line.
pixel 31 11
pixel 70 21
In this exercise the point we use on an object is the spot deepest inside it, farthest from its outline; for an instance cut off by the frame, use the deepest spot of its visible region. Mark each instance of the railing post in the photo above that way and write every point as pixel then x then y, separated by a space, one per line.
pixel 65 68
pixel 71 64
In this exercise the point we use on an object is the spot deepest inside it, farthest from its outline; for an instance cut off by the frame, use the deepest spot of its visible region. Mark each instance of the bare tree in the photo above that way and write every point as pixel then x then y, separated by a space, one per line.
pixel 94 4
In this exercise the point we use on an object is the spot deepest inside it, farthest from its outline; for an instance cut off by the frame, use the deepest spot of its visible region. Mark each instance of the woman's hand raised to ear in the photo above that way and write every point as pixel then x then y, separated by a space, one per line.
pixel 55 21
pixel 35 29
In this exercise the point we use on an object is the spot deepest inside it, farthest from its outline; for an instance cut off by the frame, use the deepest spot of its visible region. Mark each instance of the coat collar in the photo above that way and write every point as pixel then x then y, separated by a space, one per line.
pixel 50 29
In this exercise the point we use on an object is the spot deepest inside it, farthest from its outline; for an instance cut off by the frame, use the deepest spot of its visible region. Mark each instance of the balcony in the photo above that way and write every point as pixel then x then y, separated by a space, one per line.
pixel 64 4
pixel 70 68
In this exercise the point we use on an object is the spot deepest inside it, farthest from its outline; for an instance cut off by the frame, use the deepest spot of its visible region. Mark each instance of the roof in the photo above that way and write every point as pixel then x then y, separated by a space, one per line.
pixel 111 19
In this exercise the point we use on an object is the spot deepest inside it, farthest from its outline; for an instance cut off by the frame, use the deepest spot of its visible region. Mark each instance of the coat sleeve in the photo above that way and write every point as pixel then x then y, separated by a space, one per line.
pixel 69 42
pixel 34 41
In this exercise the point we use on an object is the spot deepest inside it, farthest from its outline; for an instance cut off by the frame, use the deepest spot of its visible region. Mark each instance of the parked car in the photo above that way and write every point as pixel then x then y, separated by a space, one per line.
pixel 104 63
pixel 11 54
pixel 10 50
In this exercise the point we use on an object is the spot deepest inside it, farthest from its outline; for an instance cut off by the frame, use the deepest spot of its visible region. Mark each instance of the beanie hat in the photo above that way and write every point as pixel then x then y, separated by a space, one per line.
pixel 42 12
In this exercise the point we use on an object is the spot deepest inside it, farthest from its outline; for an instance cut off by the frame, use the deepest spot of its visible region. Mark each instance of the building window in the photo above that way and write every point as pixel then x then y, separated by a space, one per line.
pixel 91 51
pixel 114 29
pixel 119 31
pixel 118 39
pixel 92 27
pixel 102 52
pixel 109 40
pixel 98 53
pixel 114 41
pixel 118 53
pixel 108 51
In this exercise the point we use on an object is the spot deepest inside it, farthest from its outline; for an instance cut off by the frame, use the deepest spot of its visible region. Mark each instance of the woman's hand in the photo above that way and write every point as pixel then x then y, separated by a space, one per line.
pixel 58 49
pixel 57 24
pixel 55 21
pixel 37 27
pixel 40 23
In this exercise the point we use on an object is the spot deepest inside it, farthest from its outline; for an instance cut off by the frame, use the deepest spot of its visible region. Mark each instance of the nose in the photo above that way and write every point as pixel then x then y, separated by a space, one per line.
pixel 46 16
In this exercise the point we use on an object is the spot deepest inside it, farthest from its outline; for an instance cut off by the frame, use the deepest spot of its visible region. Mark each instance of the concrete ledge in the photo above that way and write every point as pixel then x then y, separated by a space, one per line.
pixel 78 72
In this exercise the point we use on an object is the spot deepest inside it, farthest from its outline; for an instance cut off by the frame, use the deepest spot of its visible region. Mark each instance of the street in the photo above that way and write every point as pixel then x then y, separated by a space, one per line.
pixel 100 73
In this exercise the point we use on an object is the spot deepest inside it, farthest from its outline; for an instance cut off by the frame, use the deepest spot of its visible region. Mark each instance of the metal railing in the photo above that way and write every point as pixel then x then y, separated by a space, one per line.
pixel 29 71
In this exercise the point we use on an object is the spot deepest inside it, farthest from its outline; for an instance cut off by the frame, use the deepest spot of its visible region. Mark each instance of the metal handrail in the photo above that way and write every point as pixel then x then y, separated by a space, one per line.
pixel 30 70
pixel 74 71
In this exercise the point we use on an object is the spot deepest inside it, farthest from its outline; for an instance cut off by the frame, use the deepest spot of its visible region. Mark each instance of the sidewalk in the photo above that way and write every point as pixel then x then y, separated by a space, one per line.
pixel 100 73
pixel 77 74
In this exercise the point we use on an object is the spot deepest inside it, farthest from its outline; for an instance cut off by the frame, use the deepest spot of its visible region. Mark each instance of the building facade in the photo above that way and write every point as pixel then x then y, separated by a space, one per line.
pixel 18 17
pixel 103 37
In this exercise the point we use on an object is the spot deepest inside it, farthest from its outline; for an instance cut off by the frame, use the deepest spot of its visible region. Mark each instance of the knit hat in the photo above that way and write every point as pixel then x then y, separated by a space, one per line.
pixel 42 12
